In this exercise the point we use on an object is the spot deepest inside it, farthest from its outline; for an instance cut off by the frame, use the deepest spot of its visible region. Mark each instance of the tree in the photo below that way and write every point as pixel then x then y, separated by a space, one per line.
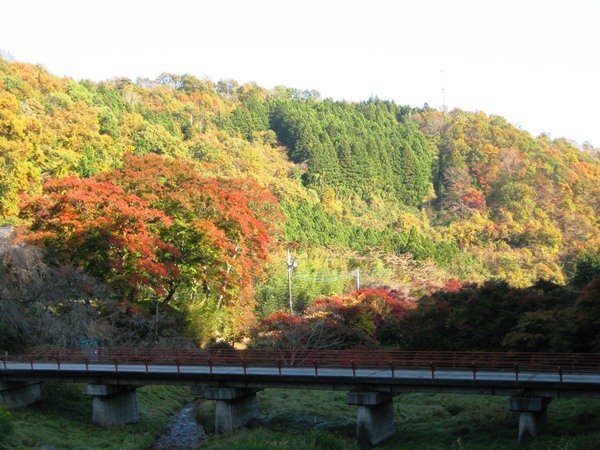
pixel 293 335
pixel 362 319
pixel 586 269
pixel 46 305
pixel 221 227
pixel 20 160
pixel 460 199
pixel 109 233
pixel 222 230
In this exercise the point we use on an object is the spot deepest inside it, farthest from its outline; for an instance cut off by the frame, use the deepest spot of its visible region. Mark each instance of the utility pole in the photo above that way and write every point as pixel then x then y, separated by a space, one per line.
pixel 291 266
pixel 358 279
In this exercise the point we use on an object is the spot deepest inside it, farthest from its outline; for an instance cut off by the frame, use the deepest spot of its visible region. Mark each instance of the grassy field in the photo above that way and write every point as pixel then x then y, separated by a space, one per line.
pixel 309 420
pixel 64 420
pixel 306 420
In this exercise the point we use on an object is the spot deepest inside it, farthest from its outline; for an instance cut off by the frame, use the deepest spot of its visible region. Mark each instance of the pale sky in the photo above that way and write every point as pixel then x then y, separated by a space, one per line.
pixel 535 62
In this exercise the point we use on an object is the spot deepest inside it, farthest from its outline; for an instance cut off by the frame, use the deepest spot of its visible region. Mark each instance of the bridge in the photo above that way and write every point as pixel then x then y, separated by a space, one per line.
pixel 371 379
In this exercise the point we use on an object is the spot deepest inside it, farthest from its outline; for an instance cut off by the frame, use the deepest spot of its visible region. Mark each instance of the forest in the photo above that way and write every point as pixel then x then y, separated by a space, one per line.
pixel 162 213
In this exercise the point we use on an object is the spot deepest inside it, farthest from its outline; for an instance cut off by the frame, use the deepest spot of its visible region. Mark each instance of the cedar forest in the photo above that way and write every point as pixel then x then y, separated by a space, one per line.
pixel 161 213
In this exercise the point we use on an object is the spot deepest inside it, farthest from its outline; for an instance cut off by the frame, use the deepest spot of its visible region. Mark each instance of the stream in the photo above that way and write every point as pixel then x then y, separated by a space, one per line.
pixel 182 432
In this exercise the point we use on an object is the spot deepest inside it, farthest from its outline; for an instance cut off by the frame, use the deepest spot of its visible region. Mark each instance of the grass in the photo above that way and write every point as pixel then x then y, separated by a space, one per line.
pixel 299 420
pixel 64 420
pixel 307 420
pixel 312 420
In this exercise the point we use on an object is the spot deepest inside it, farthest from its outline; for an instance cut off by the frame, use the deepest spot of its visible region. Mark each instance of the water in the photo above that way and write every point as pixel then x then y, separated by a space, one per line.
pixel 182 432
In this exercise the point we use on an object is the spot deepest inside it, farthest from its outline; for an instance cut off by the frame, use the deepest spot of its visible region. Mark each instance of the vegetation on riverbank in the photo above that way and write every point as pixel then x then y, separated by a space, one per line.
pixel 64 421
pixel 314 420
pixel 305 420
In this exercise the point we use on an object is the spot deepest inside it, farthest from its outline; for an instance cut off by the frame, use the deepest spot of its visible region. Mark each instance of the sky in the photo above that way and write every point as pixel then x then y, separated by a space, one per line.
pixel 534 62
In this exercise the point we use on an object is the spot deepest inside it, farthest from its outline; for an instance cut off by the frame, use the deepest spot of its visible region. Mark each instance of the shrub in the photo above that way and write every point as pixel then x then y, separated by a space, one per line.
pixel 6 423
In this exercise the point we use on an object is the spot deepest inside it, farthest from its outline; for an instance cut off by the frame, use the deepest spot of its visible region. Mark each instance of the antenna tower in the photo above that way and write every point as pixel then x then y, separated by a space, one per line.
pixel 443 83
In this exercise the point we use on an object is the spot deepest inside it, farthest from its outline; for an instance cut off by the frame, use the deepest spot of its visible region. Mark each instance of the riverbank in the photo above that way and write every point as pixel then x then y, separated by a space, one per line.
pixel 302 420
pixel 320 420
pixel 63 420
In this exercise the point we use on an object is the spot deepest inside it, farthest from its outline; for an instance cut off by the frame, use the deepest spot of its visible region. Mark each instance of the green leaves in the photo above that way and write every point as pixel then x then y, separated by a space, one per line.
pixel 359 148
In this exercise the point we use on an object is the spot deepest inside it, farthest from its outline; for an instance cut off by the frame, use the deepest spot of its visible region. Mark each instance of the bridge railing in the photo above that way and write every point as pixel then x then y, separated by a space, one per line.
pixel 392 360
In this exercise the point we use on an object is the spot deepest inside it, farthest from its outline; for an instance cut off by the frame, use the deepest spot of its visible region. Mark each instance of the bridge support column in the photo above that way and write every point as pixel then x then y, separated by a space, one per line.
pixel 532 415
pixel 113 404
pixel 375 417
pixel 16 394
pixel 235 407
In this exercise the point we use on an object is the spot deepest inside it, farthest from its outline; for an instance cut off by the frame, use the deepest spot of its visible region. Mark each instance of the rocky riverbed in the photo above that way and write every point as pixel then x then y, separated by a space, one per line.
pixel 182 432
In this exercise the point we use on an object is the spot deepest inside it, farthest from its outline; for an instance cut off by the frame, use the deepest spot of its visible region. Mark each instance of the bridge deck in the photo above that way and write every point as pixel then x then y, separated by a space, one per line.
pixel 371 379
pixel 451 372
pixel 291 371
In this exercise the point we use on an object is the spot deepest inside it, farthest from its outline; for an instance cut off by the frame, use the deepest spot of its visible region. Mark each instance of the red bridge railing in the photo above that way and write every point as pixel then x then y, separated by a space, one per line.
pixel 391 360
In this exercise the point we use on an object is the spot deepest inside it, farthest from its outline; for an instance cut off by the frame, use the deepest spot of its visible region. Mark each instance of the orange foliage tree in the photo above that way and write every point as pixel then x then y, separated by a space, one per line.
pixel 107 232
pixel 157 223
pixel 222 227
pixel 366 318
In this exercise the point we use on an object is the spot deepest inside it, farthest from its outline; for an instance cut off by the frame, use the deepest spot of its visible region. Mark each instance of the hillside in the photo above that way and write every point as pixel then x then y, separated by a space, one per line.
pixel 410 197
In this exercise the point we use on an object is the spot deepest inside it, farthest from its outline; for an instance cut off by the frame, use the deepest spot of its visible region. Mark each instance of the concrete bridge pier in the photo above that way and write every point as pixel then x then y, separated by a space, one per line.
pixel 375 417
pixel 532 415
pixel 235 407
pixel 113 404
pixel 18 394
